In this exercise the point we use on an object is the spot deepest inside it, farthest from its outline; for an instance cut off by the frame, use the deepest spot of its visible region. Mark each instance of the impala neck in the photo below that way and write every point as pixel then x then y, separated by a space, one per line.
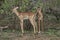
pixel 16 12
pixel 39 12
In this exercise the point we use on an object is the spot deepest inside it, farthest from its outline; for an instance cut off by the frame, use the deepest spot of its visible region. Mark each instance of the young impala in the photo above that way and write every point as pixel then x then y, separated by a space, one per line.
pixel 28 15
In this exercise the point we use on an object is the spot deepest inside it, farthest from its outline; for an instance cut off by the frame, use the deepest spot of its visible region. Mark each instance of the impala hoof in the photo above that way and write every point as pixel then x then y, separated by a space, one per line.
pixel 39 32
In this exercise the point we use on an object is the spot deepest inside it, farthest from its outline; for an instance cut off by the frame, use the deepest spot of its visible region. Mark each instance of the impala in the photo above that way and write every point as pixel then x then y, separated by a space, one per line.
pixel 29 15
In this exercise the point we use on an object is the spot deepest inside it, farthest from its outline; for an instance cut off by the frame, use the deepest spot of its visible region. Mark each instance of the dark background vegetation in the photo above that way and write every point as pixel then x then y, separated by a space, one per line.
pixel 50 10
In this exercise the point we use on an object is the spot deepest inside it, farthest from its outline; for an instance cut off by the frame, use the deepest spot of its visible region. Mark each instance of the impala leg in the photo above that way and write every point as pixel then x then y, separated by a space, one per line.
pixel 32 22
pixel 35 23
pixel 39 25
pixel 21 23
pixel 42 25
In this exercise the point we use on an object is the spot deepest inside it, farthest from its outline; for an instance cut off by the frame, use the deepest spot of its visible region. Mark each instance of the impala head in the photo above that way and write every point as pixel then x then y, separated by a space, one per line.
pixel 39 10
pixel 14 9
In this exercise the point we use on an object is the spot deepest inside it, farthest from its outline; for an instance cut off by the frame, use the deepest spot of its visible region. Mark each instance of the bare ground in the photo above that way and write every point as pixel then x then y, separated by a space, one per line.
pixel 27 36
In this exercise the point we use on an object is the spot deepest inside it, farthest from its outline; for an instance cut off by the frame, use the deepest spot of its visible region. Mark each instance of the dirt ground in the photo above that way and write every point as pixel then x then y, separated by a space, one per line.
pixel 27 36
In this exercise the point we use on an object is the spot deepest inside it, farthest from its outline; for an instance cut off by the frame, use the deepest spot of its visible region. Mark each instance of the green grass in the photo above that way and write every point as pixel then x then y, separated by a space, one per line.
pixel 53 32
pixel 9 34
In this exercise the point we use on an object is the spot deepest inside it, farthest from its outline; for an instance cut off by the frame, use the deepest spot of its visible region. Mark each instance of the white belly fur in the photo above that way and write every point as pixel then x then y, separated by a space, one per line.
pixel 26 17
